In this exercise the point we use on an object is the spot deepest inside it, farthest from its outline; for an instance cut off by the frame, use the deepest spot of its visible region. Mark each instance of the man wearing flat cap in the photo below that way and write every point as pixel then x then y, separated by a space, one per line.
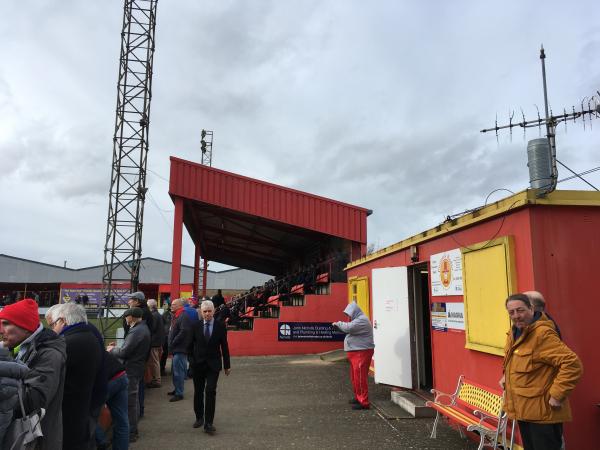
pixel 133 355
pixel 45 354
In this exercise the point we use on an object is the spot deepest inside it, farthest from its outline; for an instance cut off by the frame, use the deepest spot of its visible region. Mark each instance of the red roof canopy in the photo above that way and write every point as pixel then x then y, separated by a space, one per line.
pixel 257 225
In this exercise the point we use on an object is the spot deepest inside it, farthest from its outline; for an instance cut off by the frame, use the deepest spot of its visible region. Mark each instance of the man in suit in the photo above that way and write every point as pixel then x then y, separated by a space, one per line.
pixel 210 354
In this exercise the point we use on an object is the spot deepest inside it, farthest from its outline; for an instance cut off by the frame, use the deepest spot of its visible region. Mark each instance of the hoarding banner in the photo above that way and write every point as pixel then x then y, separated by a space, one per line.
pixel 92 297
pixel 446 273
pixel 308 331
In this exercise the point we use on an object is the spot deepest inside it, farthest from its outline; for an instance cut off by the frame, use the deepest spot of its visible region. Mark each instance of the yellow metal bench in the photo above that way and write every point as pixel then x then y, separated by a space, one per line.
pixel 475 407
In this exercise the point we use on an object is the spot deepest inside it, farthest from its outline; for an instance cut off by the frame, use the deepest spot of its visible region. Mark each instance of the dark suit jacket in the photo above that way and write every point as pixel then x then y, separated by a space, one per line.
pixel 215 352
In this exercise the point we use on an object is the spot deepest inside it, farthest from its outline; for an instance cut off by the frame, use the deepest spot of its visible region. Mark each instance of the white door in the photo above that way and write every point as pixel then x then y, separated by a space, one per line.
pixel 391 328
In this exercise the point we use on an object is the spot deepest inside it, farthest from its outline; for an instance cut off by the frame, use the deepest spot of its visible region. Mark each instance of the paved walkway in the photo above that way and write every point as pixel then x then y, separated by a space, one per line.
pixel 287 402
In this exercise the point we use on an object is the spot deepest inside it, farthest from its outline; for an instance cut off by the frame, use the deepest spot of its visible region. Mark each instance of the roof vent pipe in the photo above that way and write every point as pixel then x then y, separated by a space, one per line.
pixel 539 161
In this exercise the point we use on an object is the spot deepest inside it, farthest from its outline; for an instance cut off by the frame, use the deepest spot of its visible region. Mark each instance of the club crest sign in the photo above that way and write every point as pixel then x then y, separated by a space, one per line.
pixel 446 273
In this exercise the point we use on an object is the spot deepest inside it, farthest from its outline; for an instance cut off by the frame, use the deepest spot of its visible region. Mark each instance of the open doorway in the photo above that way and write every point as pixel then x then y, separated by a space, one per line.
pixel 421 327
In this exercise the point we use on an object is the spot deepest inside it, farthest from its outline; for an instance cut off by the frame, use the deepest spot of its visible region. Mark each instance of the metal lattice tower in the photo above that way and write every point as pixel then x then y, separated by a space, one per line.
pixel 123 245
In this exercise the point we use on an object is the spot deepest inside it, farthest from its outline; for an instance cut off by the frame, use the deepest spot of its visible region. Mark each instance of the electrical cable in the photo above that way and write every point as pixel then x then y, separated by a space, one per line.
pixel 160 211
pixel 158 175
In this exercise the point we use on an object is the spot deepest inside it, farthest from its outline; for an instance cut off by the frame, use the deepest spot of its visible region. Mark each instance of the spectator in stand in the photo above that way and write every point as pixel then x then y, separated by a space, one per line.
pixel 116 401
pixel 45 354
pixel 133 354
pixel 153 365
pixel 166 320
pixel 218 299
pixel 359 346
pixel 85 359
pixel 179 342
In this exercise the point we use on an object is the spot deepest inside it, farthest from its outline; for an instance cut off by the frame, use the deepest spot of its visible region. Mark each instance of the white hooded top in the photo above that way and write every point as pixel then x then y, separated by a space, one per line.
pixel 359 332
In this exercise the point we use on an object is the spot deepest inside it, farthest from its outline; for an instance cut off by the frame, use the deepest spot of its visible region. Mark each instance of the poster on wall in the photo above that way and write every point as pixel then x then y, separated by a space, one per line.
pixel 446 273
pixel 456 316
pixel 439 317
pixel 92 297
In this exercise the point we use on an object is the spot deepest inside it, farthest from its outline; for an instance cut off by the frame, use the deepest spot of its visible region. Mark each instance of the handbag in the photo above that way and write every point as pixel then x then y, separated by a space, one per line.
pixel 23 431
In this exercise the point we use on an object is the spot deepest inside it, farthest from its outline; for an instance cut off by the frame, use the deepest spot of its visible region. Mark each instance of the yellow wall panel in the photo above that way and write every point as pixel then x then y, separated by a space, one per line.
pixel 488 279
pixel 358 291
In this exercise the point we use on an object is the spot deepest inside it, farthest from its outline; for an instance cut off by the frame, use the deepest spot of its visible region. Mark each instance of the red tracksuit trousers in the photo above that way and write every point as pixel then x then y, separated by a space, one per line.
pixel 360 361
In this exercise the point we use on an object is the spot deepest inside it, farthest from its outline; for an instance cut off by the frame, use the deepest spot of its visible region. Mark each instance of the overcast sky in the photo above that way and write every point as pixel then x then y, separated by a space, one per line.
pixel 378 104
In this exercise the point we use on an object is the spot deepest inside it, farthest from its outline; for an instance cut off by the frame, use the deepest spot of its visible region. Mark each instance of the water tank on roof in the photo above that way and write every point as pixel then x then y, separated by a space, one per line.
pixel 539 161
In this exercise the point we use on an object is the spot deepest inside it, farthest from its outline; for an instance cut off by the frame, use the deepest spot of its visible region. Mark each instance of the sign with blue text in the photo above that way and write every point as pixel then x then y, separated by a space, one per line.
pixel 308 331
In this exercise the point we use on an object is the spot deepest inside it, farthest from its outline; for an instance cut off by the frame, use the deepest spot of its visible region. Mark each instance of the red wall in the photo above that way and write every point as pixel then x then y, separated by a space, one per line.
pixel 262 340
pixel 566 255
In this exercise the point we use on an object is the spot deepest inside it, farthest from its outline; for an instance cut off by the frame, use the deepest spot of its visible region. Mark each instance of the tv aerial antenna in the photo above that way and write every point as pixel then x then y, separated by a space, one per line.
pixel 588 109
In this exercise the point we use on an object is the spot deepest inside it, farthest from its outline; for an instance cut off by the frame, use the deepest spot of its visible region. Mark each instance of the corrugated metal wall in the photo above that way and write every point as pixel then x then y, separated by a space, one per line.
pixel 16 270
pixel 259 198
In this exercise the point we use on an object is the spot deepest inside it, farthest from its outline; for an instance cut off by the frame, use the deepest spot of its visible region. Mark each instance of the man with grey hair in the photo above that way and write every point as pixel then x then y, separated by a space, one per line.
pixel 179 342
pixel 51 313
pixel 210 354
pixel 539 304
pixel 84 382
pixel 157 334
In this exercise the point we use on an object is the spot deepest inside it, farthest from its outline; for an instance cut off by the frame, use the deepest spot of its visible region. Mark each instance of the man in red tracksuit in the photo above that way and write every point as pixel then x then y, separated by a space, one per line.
pixel 359 346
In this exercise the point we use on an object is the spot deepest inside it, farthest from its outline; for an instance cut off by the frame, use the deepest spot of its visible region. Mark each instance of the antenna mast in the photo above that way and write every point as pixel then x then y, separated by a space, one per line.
pixel 589 111
pixel 123 244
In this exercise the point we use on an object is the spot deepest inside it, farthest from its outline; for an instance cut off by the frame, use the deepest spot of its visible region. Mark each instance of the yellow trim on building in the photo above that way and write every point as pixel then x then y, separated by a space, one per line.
pixel 516 201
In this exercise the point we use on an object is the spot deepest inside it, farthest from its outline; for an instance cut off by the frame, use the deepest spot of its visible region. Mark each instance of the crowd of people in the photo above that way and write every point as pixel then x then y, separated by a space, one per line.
pixel 257 297
pixel 56 379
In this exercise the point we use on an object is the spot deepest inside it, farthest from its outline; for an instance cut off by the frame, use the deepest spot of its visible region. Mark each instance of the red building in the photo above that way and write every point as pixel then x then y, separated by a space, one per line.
pixel 437 299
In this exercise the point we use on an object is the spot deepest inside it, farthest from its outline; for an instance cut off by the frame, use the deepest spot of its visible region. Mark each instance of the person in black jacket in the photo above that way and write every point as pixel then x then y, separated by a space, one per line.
pixel 210 354
pixel 85 358
pixel 133 354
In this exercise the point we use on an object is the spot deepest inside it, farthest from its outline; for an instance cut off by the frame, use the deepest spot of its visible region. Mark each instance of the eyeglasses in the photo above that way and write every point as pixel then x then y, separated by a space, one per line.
pixel 51 324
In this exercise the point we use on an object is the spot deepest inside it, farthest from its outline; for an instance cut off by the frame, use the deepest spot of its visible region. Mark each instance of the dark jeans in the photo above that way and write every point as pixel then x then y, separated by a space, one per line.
pixel 117 405
pixel 141 396
pixel 205 392
pixel 541 436
pixel 133 404
pixel 179 370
